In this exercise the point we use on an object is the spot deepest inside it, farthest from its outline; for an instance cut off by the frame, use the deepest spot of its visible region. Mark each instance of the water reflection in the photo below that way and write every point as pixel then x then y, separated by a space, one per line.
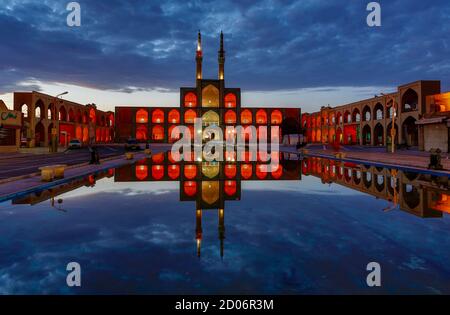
pixel 212 184
pixel 423 195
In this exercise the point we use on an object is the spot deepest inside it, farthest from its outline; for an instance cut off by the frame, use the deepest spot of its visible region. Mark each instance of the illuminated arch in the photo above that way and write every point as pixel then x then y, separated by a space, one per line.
pixel 211 117
pixel 190 171
pixel 261 172
pixel 230 100
pixel 174 116
pixel 230 187
pixel 246 171
pixel 189 116
pixel 62 114
pixel 157 116
pixel 141 133
pixel 157 171
pixel 230 117
pixel 246 117
pixel 171 129
pixel 210 96
pixel 261 117
pixel 141 172
pixel 92 115
pixel 190 188
pixel 230 170
pixel 142 116
pixel 190 100
pixel 173 171
pixel 158 133
pixel 276 117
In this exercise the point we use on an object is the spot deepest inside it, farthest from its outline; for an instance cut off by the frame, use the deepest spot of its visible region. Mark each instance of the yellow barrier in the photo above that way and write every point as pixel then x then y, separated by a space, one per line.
pixel 46 173
pixel 129 155
pixel 58 170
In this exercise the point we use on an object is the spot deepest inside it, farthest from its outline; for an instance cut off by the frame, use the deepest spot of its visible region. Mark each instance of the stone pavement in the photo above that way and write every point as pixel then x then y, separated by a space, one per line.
pixel 33 181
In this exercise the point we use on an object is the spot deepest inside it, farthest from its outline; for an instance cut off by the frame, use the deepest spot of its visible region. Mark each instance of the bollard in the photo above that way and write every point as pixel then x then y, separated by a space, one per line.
pixel 46 173
pixel 58 171
pixel 435 159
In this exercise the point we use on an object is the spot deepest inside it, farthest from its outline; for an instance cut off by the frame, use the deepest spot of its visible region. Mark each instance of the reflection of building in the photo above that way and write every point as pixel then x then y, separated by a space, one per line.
pixel 43 114
pixel 209 184
pixel 369 122
pixel 10 123
pixel 51 193
pixel 418 194
pixel 210 100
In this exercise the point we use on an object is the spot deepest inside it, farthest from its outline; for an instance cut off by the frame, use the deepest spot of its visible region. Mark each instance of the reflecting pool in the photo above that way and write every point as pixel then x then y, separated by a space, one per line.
pixel 160 227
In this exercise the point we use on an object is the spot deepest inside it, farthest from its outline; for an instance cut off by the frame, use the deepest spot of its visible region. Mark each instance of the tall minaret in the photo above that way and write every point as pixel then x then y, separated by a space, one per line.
pixel 199 56
pixel 198 230
pixel 221 59
pixel 221 230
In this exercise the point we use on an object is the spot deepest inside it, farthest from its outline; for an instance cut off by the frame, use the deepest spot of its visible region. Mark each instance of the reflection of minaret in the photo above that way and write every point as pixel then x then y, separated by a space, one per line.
pixel 198 231
pixel 221 59
pixel 199 57
pixel 221 230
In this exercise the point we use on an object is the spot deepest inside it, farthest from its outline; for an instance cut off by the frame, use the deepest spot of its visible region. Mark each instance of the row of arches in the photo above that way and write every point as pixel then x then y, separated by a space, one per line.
pixel 364 179
pixel 61 113
pixel 230 116
pixel 377 135
pixel 210 98
pixel 409 103
pixel 190 171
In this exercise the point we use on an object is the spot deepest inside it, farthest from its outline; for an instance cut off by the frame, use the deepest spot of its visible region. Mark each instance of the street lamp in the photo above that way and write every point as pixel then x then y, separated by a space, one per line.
pixel 54 146
pixel 394 116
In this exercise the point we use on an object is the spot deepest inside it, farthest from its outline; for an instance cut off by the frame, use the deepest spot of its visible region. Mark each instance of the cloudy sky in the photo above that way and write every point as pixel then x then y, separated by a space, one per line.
pixel 304 53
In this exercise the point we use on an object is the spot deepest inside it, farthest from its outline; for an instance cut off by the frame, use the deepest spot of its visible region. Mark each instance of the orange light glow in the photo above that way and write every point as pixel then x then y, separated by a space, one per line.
pixel 276 117
pixel 141 132
pixel 190 171
pixel 174 116
pixel 174 171
pixel 278 172
pixel 260 171
pixel 158 133
pixel 230 187
pixel 246 171
pixel 246 117
pixel 190 188
pixel 157 172
pixel 261 117
pixel 158 157
pixel 142 116
pixel 141 172
pixel 157 116
pixel 190 100
pixel 230 170
pixel 189 116
pixel 230 117
pixel 230 100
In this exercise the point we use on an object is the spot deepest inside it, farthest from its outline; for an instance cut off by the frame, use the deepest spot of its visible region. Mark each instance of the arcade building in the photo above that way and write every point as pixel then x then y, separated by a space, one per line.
pixel 44 115
pixel 210 100
pixel 419 112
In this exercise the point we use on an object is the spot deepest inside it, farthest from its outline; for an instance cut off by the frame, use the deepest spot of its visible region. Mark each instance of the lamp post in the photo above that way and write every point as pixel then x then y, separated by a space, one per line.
pixel 54 145
pixel 394 116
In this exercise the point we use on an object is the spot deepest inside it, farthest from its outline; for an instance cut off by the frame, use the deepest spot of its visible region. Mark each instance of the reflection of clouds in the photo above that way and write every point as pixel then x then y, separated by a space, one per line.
pixel 158 234
pixel 291 240
pixel 124 188
pixel 307 184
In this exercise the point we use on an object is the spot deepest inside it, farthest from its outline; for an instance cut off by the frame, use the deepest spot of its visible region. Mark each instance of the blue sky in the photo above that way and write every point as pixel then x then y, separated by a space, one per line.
pixel 304 53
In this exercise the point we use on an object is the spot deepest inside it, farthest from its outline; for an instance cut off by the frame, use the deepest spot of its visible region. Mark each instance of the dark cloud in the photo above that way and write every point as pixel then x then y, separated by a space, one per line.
pixel 139 45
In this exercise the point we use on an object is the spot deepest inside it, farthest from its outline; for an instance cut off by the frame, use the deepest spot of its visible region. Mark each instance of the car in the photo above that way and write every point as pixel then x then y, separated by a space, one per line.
pixel 75 144
pixel 132 144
